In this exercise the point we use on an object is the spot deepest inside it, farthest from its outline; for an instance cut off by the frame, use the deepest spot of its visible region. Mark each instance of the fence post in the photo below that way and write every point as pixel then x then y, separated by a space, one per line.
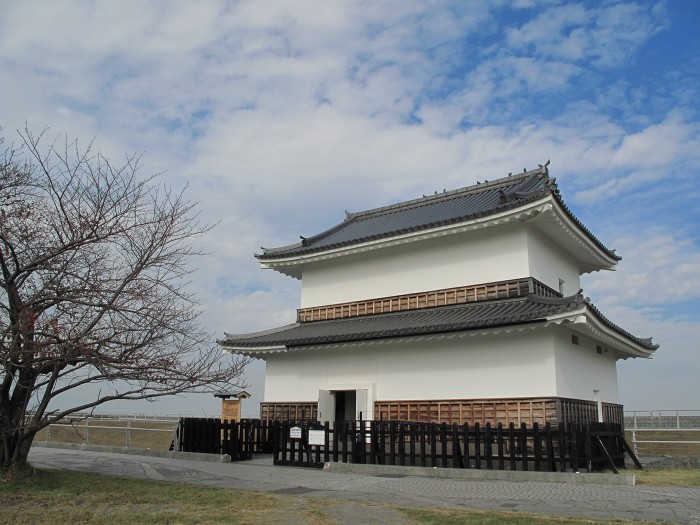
pixel 275 441
pixel 353 443
pixel 537 445
pixel 587 447
pixel 457 460
pixel 86 441
pixel 128 434
pixel 499 437
pixel 488 448
pixel 392 442
pixel 523 446
pixel 467 461
pixel 477 446
pixel 549 447
pixel 511 444
pixel 443 442
pixel 561 439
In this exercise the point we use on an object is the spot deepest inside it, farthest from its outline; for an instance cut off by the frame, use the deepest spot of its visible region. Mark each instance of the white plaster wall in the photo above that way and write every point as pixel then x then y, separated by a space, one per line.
pixel 480 256
pixel 580 370
pixel 548 263
pixel 519 364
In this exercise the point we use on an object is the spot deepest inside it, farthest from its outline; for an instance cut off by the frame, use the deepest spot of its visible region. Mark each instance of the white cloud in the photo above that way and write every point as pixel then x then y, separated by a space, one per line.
pixel 607 34
pixel 669 380
pixel 283 114
pixel 657 268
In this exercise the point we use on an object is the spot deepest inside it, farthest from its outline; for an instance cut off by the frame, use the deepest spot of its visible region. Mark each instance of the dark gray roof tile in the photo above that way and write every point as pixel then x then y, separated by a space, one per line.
pixel 415 322
pixel 442 209
pixel 442 319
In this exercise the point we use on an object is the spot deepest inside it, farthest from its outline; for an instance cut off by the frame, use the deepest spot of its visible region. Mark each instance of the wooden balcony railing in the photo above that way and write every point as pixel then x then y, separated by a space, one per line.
pixel 448 296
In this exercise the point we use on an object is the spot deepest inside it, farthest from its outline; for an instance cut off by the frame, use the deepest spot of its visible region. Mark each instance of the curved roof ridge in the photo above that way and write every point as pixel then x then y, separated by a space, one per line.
pixel 646 342
pixel 261 333
pixel 557 196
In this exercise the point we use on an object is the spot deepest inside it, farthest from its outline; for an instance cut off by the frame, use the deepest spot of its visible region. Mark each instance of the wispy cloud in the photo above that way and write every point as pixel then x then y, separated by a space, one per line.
pixel 605 35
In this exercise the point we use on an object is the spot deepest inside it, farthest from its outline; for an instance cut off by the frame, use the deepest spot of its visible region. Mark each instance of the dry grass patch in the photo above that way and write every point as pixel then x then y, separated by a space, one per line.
pixel 669 477
pixel 456 517
pixel 51 497
pixel 56 496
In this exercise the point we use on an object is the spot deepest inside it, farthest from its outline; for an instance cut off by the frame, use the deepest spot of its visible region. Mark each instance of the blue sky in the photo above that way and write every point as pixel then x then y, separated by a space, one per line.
pixel 281 115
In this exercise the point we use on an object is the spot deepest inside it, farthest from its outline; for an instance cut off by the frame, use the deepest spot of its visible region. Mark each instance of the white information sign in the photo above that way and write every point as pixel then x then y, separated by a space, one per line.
pixel 295 433
pixel 317 437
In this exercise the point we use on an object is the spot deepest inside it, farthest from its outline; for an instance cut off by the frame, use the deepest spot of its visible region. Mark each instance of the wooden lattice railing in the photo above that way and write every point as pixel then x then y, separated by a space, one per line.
pixel 448 296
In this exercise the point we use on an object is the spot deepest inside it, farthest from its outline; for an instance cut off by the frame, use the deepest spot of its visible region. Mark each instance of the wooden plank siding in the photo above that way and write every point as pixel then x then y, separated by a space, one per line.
pixel 289 411
pixel 470 411
pixel 463 411
pixel 415 301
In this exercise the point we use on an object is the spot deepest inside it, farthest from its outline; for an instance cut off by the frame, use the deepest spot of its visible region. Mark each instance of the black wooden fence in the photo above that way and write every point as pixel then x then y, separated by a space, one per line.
pixel 240 440
pixel 592 447
pixel 561 448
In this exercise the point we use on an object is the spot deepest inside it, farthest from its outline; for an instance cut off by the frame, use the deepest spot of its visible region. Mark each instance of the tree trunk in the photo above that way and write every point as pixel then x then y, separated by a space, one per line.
pixel 14 450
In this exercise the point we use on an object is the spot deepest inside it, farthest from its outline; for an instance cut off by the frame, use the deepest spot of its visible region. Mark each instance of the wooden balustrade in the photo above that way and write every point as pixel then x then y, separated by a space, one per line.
pixel 444 297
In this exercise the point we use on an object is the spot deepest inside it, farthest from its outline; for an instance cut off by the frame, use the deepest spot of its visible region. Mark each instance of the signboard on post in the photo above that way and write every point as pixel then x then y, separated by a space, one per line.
pixel 295 433
pixel 317 437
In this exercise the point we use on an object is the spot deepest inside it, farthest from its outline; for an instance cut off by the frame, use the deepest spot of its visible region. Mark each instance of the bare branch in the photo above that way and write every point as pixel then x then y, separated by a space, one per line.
pixel 94 265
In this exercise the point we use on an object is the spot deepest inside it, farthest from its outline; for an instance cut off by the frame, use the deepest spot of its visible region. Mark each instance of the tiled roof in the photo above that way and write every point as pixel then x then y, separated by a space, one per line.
pixel 443 319
pixel 448 207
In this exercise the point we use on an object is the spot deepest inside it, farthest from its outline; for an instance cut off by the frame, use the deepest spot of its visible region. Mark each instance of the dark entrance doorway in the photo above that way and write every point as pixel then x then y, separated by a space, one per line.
pixel 345 405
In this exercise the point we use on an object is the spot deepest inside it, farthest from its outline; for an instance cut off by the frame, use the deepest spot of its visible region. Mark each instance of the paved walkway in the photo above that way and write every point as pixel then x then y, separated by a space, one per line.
pixel 675 505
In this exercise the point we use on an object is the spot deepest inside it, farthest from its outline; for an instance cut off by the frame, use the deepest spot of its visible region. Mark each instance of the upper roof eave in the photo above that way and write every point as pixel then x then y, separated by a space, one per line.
pixel 589 252
pixel 535 185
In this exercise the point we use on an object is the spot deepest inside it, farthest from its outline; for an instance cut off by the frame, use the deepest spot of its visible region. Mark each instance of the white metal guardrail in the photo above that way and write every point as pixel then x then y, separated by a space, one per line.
pixel 662 419
pixel 669 422
pixel 84 426
pixel 639 422
pixel 636 441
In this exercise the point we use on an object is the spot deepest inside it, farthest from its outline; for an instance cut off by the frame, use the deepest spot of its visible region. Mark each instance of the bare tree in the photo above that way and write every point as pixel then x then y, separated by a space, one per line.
pixel 94 261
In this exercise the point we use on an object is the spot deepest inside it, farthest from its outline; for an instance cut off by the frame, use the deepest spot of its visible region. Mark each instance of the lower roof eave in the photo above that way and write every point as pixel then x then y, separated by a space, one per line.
pixel 261 352
pixel 583 322
pixel 254 351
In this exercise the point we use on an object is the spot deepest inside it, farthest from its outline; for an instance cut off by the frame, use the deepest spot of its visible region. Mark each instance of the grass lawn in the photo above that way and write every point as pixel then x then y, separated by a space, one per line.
pixel 53 496
pixel 669 477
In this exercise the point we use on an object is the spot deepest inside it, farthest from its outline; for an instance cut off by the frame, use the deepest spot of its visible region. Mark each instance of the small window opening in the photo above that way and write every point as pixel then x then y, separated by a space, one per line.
pixel 599 349
pixel 561 286
pixel 574 339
